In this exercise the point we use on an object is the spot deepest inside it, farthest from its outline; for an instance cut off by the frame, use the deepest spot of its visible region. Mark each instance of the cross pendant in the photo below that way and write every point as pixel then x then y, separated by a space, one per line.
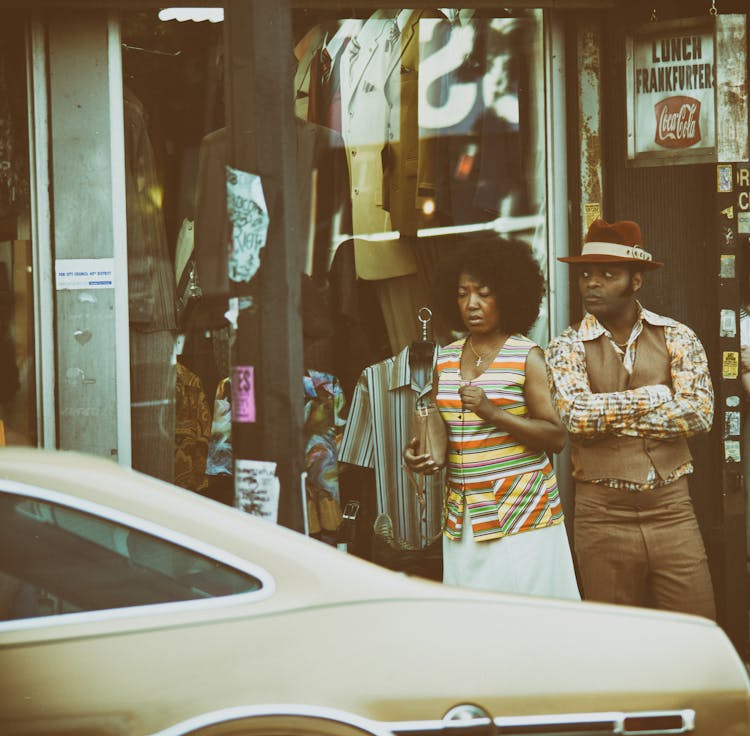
pixel 479 360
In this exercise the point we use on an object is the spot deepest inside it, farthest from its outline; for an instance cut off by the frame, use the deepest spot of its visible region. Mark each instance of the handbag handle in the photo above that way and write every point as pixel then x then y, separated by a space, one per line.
pixel 419 484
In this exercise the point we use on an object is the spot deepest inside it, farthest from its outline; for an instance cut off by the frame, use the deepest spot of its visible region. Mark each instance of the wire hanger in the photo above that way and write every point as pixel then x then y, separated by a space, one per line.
pixel 156 52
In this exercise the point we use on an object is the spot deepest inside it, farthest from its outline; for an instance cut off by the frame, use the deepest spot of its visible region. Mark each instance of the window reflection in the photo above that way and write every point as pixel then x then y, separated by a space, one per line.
pixel 411 126
pixel 55 559
pixel 440 115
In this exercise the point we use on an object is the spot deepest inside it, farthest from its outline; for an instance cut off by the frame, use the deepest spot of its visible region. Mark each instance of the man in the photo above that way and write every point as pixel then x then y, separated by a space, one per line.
pixel 630 386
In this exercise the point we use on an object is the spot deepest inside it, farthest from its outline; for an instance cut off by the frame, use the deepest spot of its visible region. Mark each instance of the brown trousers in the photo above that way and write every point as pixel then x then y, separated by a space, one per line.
pixel 642 548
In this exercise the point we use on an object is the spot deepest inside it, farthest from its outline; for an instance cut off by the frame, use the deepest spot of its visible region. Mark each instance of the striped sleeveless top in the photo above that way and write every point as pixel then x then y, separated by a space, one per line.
pixel 508 487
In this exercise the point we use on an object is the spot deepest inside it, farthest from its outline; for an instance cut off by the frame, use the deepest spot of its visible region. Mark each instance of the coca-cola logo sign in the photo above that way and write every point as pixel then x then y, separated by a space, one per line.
pixel 678 122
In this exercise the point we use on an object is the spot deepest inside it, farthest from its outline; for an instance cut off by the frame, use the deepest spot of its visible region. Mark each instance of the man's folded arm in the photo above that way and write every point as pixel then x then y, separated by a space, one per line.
pixel 586 413
pixel 690 411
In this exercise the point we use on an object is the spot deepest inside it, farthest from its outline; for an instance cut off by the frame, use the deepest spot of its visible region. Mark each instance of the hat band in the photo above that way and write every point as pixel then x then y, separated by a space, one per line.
pixel 634 252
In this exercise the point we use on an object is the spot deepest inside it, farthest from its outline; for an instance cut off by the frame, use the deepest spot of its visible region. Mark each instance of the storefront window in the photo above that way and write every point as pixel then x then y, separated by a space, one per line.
pixel 18 424
pixel 439 114
pixel 171 100
pixel 413 127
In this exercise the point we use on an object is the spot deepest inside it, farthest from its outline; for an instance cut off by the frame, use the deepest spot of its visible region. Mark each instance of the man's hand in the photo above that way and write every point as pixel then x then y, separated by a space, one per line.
pixel 424 464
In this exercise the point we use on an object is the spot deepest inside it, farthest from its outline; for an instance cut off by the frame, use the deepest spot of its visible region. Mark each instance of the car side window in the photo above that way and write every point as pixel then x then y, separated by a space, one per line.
pixel 56 559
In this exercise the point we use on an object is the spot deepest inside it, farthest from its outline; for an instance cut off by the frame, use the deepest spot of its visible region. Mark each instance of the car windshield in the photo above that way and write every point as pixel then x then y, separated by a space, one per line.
pixel 56 559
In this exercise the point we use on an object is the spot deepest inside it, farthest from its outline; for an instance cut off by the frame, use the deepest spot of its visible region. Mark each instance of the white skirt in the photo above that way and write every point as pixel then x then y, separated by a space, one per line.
pixel 537 562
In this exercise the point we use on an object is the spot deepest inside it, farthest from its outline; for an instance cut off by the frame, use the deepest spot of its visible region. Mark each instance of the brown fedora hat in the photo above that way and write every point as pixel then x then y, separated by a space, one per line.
pixel 618 242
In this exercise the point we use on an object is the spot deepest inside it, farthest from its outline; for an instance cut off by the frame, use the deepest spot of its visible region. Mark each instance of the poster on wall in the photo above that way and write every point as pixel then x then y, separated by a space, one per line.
pixel 686 88
pixel 671 92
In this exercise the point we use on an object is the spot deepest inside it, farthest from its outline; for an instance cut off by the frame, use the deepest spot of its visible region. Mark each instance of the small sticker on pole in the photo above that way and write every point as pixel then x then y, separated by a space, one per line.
pixel 728 323
pixel 732 451
pixel 727 266
pixel 732 423
pixel 730 364
pixel 591 211
pixel 243 394
pixel 724 178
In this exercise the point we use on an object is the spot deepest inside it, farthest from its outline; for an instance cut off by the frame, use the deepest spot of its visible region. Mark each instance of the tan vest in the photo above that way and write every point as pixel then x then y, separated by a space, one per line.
pixel 627 458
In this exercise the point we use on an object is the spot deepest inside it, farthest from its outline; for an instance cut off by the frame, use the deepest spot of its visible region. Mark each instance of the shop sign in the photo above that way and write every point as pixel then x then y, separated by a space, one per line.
pixel 675 81
pixel 671 69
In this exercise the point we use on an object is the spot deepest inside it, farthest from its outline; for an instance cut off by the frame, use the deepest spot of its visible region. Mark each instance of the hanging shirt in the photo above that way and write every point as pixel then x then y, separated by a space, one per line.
pixel 192 431
pixel 324 409
pixel 377 430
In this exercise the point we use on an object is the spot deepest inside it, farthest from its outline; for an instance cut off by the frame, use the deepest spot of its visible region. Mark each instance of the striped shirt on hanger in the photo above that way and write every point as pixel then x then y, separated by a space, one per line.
pixel 378 427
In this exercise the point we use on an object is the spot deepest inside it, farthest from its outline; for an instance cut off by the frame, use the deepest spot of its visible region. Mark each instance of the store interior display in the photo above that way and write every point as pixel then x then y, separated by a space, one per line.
pixel 411 125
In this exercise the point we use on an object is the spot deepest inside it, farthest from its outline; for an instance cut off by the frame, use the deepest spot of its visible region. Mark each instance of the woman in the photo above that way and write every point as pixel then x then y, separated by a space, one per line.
pixel 504 527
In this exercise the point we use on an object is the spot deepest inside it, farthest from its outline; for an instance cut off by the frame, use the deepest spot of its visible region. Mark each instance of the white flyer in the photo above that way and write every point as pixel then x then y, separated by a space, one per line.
pixel 84 273
pixel 256 488
pixel 248 214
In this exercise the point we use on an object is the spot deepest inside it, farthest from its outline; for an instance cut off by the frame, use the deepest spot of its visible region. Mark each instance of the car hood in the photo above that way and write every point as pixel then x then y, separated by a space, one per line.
pixel 343 633
pixel 388 659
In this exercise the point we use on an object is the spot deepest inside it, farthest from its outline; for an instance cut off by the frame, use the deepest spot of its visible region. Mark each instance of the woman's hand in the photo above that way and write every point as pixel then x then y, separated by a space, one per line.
pixel 541 428
pixel 423 464
pixel 475 400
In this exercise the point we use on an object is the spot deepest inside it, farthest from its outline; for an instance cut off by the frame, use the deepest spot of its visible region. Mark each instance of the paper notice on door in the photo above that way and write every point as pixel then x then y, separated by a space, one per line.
pixel 84 273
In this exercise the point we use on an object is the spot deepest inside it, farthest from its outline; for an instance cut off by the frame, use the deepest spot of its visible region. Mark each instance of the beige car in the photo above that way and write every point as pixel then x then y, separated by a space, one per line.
pixel 131 607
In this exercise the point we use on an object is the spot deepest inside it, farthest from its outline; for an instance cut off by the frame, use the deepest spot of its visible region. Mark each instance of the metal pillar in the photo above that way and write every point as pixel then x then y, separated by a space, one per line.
pixel 732 209
pixel 262 141
pixel 89 231
pixel 732 237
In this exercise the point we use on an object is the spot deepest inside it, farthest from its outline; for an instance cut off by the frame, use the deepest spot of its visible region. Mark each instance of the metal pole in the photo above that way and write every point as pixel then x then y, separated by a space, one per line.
pixel 262 140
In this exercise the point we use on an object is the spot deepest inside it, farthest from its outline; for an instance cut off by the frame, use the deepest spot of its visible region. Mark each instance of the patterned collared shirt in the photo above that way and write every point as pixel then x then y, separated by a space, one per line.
pixel 648 411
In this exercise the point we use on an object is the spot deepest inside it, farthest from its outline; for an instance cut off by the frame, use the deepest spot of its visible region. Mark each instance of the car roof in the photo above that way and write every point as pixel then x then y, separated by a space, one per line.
pixel 94 480
pixel 101 482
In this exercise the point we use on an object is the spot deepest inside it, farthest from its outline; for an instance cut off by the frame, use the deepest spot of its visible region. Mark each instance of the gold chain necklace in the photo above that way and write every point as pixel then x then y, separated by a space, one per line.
pixel 479 357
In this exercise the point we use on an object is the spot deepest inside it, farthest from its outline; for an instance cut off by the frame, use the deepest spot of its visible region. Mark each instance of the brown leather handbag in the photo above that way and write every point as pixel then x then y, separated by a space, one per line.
pixel 431 433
